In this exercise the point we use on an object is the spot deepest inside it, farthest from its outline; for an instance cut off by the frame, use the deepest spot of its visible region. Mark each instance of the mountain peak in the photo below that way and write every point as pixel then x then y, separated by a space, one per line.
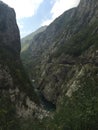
pixel 9 32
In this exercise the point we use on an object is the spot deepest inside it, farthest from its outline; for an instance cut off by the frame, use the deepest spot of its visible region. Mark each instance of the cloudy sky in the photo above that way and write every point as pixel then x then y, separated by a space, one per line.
pixel 32 14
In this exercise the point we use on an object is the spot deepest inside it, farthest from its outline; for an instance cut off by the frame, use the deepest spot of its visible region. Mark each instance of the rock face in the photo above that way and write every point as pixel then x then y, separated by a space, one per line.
pixel 9 32
pixel 9 45
pixel 16 91
pixel 63 61
pixel 57 55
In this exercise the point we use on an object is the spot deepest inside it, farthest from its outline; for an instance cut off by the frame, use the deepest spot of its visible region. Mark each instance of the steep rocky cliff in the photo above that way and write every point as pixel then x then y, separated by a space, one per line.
pixel 69 41
pixel 9 35
pixel 17 96
pixel 63 61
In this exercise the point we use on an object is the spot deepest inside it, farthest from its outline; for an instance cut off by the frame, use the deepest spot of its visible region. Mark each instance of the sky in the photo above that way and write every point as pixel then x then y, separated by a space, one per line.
pixel 32 14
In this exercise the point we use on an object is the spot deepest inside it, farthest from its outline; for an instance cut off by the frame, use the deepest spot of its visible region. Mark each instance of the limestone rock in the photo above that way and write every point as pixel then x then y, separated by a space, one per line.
pixel 14 83
pixel 9 32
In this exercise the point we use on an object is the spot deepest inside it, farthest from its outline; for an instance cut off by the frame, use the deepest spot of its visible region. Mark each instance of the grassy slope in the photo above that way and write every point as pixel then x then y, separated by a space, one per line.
pixel 26 41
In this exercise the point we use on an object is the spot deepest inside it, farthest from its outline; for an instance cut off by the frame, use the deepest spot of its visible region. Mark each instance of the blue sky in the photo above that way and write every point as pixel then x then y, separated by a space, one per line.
pixel 32 14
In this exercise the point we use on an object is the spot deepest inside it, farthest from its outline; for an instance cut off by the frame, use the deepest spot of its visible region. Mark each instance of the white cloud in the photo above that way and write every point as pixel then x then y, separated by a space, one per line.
pixel 24 8
pixel 62 5
pixel 59 7
pixel 46 22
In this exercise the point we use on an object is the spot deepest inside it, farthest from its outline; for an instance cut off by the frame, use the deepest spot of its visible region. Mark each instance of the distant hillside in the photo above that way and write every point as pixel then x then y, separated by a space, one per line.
pixel 26 41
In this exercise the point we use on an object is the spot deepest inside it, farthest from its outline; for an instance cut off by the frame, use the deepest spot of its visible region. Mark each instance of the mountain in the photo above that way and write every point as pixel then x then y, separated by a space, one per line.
pixel 26 41
pixel 18 100
pixel 63 62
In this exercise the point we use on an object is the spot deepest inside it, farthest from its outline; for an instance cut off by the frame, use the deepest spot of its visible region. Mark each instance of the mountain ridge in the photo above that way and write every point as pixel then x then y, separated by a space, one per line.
pixel 29 38
pixel 63 61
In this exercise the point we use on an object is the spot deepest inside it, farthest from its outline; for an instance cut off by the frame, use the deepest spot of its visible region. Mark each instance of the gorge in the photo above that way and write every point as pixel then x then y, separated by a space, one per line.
pixel 57 68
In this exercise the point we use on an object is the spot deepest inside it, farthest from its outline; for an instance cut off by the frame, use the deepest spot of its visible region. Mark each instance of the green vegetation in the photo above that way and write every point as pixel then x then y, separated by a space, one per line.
pixel 8 118
pixel 80 42
pixel 20 78
pixel 26 41
pixel 80 112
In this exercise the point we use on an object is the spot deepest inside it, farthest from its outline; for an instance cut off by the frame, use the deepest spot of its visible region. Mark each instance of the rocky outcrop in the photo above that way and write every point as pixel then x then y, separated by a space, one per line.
pixel 9 45
pixel 15 85
pixel 9 32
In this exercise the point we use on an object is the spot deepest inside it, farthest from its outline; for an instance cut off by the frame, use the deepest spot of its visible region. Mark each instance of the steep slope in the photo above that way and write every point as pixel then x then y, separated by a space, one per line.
pixel 17 96
pixel 26 41
pixel 71 39
pixel 63 61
